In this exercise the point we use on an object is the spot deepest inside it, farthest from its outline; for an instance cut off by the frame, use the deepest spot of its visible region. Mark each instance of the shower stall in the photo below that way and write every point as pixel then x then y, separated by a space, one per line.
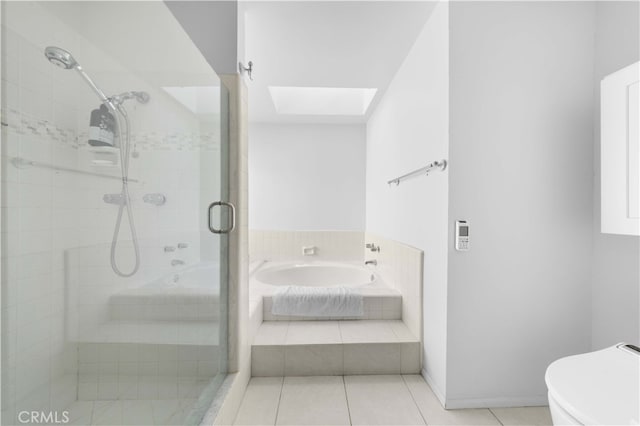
pixel 114 272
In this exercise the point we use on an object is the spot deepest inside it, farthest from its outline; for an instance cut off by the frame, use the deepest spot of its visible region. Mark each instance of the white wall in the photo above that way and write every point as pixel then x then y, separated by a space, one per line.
pixel 409 129
pixel 521 173
pixel 307 177
pixel 616 263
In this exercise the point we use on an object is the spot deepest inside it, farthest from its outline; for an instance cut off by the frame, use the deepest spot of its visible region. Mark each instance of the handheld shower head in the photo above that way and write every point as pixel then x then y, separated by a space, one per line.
pixel 63 59
pixel 60 57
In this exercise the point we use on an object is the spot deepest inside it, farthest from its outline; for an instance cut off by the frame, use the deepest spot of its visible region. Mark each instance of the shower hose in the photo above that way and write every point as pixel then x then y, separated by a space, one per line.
pixel 125 199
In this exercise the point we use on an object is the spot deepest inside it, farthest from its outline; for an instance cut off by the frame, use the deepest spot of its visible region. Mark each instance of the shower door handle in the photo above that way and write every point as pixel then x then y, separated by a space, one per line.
pixel 232 217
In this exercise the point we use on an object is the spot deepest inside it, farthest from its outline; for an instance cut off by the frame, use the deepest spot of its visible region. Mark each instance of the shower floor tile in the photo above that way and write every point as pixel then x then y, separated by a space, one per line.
pixel 130 412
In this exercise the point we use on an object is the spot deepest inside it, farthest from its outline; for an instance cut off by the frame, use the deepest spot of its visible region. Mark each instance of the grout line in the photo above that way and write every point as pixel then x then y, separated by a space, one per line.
pixel 394 331
pixel 342 346
pixel 286 334
pixel 346 397
pixel 279 401
pixel 91 415
pixel 494 415
pixel 413 398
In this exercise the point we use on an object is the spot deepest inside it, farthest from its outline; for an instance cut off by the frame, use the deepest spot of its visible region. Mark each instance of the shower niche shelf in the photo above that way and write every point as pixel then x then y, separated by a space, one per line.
pixel 102 156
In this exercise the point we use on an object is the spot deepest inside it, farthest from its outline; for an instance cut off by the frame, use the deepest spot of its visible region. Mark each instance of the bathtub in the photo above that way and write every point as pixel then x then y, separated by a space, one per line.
pixel 315 274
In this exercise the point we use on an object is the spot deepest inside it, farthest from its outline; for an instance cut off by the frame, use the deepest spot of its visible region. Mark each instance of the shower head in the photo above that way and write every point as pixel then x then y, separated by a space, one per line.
pixel 63 59
pixel 60 57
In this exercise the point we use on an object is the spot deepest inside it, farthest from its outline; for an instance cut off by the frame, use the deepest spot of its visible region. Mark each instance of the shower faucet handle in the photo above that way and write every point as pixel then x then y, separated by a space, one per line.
pixel 156 199
pixel 169 249
pixel 117 199
pixel 372 247
pixel 183 245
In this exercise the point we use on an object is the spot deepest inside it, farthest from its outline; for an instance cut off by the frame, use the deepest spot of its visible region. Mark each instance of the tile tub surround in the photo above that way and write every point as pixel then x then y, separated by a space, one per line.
pixel 304 348
pixel 287 245
pixel 378 304
pixel 380 301
pixel 401 266
pixel 365 400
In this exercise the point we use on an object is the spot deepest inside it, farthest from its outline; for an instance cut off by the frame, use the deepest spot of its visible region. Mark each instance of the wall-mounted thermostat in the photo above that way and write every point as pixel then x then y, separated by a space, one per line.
pixel 462 235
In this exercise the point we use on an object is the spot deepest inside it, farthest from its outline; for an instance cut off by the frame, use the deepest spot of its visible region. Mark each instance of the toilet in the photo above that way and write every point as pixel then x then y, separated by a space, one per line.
pixel 596 388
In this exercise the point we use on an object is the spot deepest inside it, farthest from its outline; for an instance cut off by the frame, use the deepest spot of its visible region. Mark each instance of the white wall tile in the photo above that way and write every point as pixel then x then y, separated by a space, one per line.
pixel 287 245
pixel 267 361
pixel 378 358
pixel 313 360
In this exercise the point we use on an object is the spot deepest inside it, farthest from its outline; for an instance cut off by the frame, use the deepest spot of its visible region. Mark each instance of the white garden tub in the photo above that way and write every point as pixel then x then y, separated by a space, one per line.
pixel 315 274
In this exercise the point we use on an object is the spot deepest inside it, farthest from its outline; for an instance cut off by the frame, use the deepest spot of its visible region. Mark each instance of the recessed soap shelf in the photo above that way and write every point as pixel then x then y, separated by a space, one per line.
pixel 103 156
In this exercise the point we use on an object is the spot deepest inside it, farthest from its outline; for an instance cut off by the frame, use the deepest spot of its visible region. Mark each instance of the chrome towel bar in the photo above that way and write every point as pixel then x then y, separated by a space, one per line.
pixel 436 165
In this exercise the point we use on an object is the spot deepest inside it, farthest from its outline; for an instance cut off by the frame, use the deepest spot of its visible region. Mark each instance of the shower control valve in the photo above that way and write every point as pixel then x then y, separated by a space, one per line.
pixel 117 199
pixel 373 247
pixel 156 199
pixel 169 249
pixel 183 245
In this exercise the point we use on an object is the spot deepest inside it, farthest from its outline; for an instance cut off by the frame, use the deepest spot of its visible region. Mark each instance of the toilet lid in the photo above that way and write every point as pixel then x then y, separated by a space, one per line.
pixel 598 388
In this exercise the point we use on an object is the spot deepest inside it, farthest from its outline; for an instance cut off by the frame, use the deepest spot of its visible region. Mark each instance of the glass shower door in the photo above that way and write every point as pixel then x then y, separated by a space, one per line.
pixel 113 146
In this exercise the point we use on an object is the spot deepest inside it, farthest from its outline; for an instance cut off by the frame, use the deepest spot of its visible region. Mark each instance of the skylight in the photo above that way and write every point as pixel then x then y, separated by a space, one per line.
pixel 321 100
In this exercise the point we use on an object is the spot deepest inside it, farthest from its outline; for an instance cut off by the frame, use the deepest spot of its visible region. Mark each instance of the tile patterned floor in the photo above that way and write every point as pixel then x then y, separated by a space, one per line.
pixel 130 412
pixel 365 400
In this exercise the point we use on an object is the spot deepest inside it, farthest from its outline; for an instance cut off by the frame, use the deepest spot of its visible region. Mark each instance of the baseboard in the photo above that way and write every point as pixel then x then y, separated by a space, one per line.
pixel 501 402
pixel 432 384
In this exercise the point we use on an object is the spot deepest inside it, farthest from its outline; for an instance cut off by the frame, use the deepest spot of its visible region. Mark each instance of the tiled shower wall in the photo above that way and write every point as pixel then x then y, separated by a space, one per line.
pixel 47 214
pixel 144 371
